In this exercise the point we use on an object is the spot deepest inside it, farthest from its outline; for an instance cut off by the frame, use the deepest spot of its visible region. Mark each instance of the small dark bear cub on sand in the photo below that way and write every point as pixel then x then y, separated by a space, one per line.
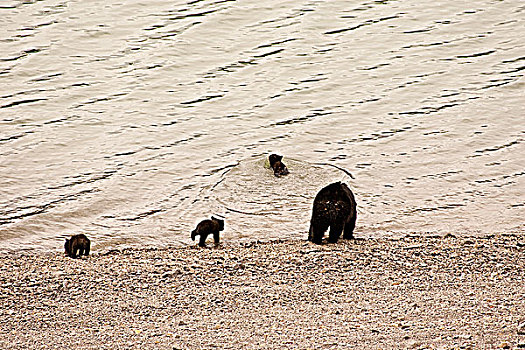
pixel 334 207
pixel 77 244
pixel 205 227
pixel 277 165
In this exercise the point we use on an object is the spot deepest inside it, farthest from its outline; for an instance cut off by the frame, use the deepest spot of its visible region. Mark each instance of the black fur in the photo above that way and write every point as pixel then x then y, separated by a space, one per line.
pixel 334 207
pixel 206 227
pixel 77 244
pixel 277 165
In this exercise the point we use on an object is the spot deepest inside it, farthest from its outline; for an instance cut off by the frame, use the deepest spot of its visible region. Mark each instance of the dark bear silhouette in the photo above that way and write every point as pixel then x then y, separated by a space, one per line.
pixel 334 207
pixel 77 244
pixel 277 165
pixel 205 227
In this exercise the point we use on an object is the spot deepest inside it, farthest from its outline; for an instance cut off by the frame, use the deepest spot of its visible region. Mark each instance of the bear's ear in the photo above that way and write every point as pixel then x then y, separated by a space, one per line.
pixel 279 158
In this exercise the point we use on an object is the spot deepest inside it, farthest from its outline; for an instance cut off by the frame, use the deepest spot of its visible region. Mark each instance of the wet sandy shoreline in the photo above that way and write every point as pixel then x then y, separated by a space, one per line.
pixel 415 292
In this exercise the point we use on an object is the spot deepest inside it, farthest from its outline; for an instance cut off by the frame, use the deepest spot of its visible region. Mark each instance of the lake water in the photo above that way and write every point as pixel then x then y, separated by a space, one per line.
pixel 130 121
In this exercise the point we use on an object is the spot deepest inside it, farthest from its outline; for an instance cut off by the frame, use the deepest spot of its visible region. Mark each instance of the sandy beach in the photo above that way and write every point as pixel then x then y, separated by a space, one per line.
pixel 409 293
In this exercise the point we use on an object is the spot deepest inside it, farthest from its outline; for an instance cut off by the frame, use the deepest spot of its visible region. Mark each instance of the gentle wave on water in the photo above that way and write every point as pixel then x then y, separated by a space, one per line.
pixel 131 121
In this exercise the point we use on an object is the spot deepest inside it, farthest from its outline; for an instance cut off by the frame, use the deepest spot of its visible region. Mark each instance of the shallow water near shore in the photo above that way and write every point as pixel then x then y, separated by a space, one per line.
pixel 132 121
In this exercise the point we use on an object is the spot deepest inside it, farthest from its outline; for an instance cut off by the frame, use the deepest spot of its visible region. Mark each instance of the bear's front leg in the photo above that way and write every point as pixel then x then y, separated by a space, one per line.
pixel 335 233
pixel 316 232
pixel 202 241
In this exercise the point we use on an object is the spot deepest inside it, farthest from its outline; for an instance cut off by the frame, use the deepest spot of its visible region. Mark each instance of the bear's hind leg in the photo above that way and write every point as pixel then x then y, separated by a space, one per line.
pixel 350 225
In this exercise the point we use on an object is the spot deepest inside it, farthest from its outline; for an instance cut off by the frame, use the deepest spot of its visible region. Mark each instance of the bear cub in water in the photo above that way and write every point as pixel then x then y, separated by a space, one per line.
pixel 205 227
pixel 334 207
pixel 77 244
pixel 277 165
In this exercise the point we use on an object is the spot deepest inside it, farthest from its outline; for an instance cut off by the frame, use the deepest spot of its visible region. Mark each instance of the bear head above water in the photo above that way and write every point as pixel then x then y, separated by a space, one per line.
pixel 277 165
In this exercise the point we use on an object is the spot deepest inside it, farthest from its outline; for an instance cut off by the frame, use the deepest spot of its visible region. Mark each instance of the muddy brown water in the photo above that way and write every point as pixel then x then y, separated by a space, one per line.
pixel 130 121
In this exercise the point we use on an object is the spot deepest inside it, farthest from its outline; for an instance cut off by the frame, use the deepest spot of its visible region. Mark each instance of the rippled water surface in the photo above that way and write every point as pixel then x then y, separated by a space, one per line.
pixel 130 121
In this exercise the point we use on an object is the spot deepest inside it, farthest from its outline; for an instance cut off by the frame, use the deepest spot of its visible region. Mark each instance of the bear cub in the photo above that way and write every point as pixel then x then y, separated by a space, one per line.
pixel 206 227
pixel 334 207
pixel 277 165
pixel 77 244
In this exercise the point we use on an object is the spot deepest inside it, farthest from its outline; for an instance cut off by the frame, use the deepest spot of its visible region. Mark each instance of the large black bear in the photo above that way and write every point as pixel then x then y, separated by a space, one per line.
pixel 334 207
pixel 77 244
pixel 205 227
pixel 277 165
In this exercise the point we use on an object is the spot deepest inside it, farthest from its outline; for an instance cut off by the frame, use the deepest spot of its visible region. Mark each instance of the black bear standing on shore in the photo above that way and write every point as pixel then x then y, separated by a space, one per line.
pixel 277 165
pixel 334 207
pixel 205 227
pixel 77 244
